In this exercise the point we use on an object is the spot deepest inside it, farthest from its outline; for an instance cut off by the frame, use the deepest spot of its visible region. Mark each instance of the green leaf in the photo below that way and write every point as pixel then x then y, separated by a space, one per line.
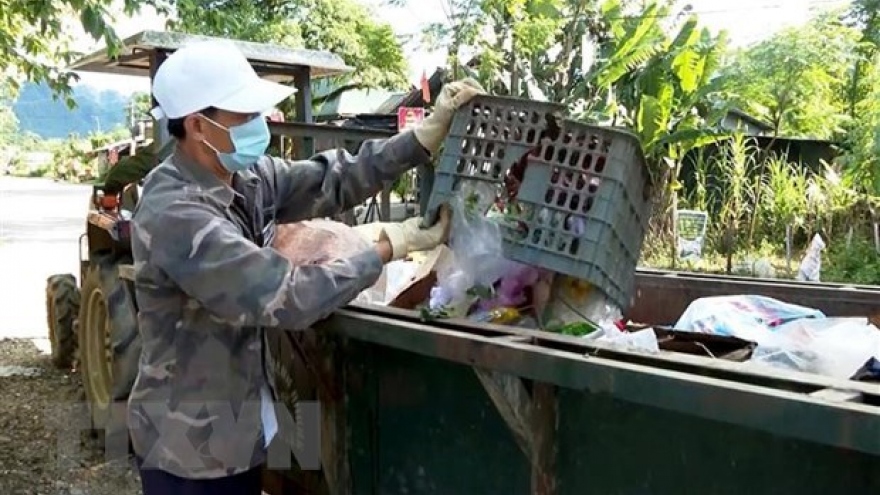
pixel 648 124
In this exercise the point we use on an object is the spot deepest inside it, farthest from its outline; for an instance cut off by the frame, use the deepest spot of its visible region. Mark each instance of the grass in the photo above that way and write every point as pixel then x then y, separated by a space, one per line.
pixel 716 264
pixel 856 262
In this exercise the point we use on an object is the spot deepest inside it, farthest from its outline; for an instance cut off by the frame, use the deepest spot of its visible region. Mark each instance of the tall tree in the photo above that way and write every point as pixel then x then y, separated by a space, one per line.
pixel 861 145
pixel 33 41
pixel 864 16
pixel 797 79
pixel 460 29
pixel 344 27
pixel 519 47
pixel 9 131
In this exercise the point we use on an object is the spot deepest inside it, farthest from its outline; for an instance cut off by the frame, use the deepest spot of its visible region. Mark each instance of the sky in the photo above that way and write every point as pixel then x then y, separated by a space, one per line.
pixel 747 21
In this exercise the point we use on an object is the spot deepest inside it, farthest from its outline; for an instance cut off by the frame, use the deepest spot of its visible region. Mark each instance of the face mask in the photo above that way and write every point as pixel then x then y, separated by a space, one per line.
pixel 250 141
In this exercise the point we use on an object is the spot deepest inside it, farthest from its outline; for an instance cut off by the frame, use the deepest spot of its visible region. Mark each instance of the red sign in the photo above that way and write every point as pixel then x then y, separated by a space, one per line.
pixel 276 115
pixel 409 117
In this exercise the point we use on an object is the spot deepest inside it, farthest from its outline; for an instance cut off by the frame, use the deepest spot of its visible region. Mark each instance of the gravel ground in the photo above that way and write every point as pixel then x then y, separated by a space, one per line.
pixel 35 458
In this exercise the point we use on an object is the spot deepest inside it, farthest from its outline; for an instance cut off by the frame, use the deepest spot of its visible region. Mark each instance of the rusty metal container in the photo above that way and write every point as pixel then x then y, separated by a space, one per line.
pixel 456 408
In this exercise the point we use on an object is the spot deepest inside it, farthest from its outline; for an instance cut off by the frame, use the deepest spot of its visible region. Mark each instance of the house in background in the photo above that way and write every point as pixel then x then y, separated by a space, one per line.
pixel 811 154
pixel 808 152
pixel 738 120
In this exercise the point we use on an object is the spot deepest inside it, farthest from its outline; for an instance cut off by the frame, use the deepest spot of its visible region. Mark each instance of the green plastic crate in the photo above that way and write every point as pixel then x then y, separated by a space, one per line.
pixel 584 198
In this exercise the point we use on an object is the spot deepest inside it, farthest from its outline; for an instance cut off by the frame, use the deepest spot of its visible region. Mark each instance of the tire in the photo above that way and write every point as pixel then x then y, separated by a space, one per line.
pixel 62 307
pixel 109 349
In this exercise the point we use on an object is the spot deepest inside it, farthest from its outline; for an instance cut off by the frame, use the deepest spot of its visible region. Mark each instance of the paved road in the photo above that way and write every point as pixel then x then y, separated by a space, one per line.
pixel 40 224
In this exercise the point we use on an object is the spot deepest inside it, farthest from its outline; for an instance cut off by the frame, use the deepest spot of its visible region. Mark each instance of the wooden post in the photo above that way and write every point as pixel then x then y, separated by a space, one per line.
pixel 160 127
pixel 788 248
pixel 532 418
pixel 303 83
pixel 543 426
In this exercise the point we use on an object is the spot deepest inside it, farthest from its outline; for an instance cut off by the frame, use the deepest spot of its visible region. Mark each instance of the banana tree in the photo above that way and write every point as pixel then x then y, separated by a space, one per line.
pixel 664 88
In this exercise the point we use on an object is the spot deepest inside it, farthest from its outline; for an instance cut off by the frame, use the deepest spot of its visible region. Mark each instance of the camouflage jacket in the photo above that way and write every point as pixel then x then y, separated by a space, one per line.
pixel 208 287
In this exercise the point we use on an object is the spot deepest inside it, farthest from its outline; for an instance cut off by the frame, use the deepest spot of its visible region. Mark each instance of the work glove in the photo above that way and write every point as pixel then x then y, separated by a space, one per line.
pixel 432 131
pixel 408 236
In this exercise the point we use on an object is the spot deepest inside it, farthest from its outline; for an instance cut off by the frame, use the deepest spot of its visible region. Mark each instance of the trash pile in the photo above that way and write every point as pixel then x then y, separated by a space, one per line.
pixel 471 279
pixel 474 281
pixel 789 336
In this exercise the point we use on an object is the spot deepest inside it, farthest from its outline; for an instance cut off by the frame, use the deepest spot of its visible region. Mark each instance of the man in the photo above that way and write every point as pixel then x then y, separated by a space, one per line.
pixel 208 283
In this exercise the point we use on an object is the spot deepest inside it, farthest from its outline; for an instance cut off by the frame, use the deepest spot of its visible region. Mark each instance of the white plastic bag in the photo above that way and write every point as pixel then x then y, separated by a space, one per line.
pixel 811 266
pixel 833 347
pixel 640 341
pixel 750 317
pixel 476 243
pixel 398 274
pixel 573 301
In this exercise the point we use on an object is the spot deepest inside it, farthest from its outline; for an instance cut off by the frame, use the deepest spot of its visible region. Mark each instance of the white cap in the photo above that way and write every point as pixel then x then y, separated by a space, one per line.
pixel 212 74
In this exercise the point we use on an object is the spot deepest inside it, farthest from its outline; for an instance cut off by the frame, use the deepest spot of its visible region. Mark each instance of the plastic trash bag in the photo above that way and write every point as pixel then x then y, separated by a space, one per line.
pixel 475 239
pixel 398 274
pixel 811 266
pixel 833 347
pixel 321 240
pixel 870 372
pixel 476 244
pixel 747 317
pixel 640 341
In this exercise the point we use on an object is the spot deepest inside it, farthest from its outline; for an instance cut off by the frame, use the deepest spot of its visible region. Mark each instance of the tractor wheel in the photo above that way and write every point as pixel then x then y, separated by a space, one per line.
pixel 109 346
pixel 62 306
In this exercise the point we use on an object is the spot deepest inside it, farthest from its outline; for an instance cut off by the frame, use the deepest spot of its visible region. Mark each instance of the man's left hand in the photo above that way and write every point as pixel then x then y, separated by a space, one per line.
pixel 432 131
pixel 408 236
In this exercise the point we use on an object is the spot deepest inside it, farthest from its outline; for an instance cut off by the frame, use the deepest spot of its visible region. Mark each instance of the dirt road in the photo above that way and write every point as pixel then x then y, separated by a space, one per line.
pixel 41 453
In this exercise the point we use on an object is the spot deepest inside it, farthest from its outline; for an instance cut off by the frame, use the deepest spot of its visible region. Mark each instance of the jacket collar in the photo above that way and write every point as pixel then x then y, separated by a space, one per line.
pixel 210 183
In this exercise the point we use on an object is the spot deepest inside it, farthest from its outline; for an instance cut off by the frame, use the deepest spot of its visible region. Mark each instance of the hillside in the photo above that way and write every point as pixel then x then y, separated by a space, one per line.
pixel 96 110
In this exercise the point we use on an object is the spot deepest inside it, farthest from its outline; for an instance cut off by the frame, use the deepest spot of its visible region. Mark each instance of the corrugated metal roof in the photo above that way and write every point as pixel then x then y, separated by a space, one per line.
pixel 356 101
pixel 274 61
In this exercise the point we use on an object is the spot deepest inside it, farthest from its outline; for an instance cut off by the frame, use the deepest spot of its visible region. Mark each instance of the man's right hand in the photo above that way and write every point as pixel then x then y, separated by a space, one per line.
pixel 432 131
